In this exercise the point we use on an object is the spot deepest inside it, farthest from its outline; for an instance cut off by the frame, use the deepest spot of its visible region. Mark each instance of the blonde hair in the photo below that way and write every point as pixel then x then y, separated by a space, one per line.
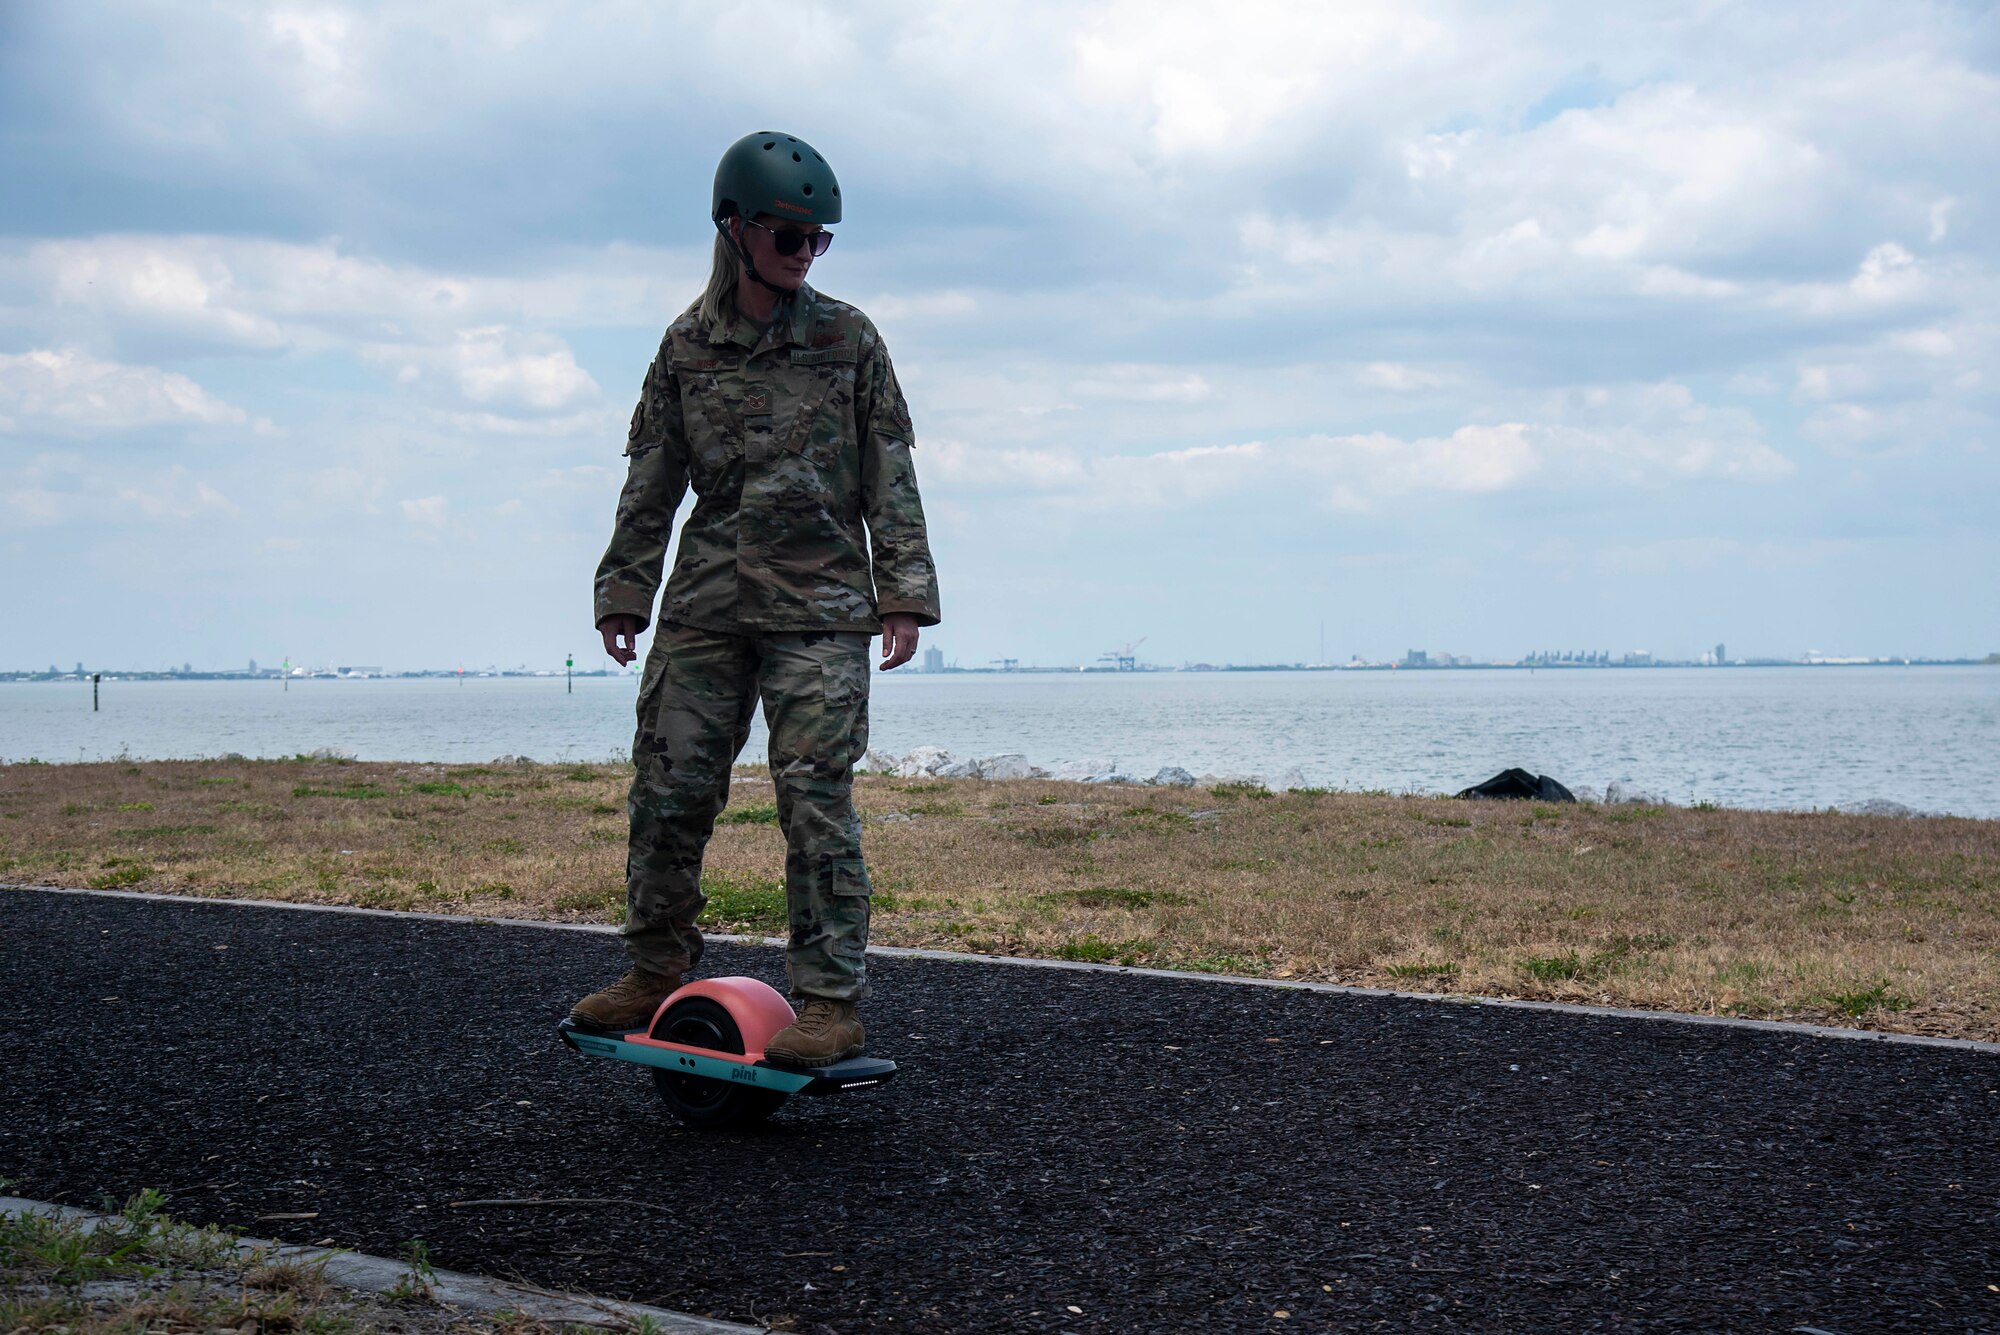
pixel 719 298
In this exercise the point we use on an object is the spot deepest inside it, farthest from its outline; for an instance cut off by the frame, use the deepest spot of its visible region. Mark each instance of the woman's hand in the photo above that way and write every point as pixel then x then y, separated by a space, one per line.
pixel 615 629
pixel 899 639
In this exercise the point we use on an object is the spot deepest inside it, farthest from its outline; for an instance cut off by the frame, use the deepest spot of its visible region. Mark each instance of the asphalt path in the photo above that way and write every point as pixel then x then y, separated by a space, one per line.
pixel 1062 1150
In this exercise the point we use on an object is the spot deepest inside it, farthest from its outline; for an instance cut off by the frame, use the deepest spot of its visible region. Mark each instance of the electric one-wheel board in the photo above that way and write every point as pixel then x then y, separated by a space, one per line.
pixel 705 1047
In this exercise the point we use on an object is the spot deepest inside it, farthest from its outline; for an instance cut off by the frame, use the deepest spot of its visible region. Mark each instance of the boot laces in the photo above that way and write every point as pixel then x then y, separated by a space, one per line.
pixel 818 1015
pixel 639 982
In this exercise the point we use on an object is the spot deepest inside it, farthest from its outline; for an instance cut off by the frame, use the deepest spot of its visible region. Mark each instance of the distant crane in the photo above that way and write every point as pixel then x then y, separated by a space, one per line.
pixel 1125 660
pixel 1006 664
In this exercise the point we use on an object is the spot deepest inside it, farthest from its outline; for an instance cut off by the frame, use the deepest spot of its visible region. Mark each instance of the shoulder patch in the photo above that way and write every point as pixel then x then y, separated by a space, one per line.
pixel 839 352
pixel 638 421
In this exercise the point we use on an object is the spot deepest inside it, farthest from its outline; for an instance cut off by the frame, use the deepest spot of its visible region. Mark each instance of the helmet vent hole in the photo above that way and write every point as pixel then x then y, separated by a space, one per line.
pixel 817 158
pixel 797 158
pixel 768 147
pixel 808 190
pixel 836 192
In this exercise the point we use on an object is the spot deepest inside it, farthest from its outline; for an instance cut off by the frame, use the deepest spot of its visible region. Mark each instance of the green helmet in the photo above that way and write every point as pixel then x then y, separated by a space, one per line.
pixel 776 173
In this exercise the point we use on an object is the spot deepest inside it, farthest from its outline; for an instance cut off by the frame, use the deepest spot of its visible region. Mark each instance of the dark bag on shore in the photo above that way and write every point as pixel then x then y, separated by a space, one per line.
pixel 1515 783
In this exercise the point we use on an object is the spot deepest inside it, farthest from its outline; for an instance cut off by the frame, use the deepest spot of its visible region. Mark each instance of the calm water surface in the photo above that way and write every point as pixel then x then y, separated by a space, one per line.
pixel 1754 737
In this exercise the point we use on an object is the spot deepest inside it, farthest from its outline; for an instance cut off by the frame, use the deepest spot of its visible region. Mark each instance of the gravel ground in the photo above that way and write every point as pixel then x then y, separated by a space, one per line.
pixel 1062 1151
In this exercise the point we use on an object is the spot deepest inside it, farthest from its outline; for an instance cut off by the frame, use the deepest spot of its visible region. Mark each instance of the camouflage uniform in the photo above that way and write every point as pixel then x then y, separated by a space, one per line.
pixel 793 438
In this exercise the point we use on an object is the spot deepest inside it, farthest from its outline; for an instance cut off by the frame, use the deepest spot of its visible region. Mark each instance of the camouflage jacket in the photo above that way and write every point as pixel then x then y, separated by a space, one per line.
pixel 793 438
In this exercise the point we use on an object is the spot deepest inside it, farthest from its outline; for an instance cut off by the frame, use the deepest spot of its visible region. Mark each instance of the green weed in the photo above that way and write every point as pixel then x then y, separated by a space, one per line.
pixel 1235 789
pixel 1423 969
pixel 1555 968
pixel 121 873
pixel 443 788
pixel 752 903
pixel 1859 1003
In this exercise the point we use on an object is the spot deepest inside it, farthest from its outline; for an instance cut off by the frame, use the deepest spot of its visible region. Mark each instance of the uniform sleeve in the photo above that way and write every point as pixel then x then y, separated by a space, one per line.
pixel 628 578
pixel 905 578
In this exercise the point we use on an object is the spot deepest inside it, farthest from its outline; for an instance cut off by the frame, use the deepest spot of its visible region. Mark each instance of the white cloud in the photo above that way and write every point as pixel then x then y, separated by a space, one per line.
pixel 604 423
pixel 1941 219
pixel 432 511
pixel 498 366
pixel 1890 429
pixel 1400 378
pixel 1924 342
pixel 344 487
pixel 1596 437
pixel 894 307
pixel 31 507
pixel 1143 384
pixel 258 293
pixel 174 495
pixel 1213 80
pixel 70 390
pixel 88 491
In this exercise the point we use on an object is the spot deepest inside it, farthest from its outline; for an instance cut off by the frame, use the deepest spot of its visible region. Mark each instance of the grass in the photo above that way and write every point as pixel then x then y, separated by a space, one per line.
pixel 1890 924
pixel 136 1269
pixel 741 902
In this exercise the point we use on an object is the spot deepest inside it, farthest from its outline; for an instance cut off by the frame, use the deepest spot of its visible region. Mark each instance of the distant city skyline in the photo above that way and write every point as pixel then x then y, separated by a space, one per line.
pixel 936 659
pixel 1481 329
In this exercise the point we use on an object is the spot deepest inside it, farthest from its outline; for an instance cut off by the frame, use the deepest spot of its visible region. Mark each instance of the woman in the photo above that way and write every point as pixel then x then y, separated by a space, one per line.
pixel 780 407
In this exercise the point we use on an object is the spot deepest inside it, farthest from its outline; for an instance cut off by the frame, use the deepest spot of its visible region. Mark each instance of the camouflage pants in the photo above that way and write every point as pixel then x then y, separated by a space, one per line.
pixel 699 693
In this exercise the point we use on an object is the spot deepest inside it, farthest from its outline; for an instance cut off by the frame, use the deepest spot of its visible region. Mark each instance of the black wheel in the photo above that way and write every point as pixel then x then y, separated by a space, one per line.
pixel 699 1022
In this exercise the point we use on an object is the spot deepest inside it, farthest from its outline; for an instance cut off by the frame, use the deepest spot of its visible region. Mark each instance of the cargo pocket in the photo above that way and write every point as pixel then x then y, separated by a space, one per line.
pixel 847 906
pixel 845 678
pixel 648 706
pixel 844 719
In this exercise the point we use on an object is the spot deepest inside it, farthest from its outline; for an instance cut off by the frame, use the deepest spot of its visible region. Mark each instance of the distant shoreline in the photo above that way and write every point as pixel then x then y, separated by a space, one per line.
pixel 522 674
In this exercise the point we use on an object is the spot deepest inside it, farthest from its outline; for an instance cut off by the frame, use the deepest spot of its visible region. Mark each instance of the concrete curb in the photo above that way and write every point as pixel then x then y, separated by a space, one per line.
pixel 1173 975
pixel 448 1288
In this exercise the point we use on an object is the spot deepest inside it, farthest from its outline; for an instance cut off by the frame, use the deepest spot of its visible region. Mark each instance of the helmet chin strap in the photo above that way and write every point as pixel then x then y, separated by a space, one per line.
pixel 742 253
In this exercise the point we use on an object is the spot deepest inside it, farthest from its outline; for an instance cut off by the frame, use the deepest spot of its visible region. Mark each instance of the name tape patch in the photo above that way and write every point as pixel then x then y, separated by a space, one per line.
pixel 843 352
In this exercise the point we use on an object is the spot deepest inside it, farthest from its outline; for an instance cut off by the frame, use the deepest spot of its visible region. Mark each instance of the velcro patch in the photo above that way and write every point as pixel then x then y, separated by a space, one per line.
pixel 841 352
pixel 757 402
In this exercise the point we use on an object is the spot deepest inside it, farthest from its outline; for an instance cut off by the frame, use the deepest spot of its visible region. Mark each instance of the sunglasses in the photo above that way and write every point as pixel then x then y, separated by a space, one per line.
pixel 787 240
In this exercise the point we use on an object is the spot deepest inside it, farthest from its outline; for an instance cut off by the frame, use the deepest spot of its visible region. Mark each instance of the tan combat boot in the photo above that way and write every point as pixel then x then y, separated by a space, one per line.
pixel 825 1032
pixel 627 1003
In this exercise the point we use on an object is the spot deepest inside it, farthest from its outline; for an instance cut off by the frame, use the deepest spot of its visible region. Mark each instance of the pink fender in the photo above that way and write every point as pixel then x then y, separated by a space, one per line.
pixel 759 1010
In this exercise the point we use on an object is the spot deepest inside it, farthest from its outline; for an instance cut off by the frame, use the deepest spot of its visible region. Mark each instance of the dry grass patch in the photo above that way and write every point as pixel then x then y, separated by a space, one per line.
pixel 1892 924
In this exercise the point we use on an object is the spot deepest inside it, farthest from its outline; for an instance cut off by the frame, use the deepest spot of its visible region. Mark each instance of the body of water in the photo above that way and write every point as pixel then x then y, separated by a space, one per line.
pixel 1799 738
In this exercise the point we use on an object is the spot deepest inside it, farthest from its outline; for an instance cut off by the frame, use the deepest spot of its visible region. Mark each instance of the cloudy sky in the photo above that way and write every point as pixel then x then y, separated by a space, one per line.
pixel 1479 328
